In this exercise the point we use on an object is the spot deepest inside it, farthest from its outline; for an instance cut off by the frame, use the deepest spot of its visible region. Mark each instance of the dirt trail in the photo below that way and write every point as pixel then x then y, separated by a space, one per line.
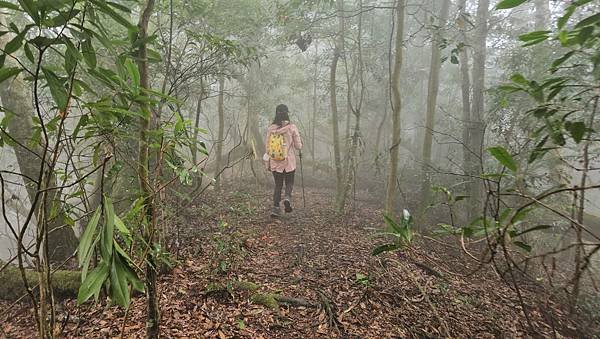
pixel 321 270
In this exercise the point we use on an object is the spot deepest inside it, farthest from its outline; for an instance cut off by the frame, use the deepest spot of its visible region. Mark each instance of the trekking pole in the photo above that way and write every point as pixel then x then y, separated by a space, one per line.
pixel 302 180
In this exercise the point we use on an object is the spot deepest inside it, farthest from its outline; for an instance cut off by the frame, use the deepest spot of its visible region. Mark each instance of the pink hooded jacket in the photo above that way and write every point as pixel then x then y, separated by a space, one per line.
pixel 292 139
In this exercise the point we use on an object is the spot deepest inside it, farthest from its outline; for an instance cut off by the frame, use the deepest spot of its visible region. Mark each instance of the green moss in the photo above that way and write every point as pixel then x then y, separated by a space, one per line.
pixel 245 286
pixel 64 283
pixel 266 299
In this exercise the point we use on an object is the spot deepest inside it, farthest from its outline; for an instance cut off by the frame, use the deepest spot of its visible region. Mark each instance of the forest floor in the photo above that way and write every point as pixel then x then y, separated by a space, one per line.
pixel 241 273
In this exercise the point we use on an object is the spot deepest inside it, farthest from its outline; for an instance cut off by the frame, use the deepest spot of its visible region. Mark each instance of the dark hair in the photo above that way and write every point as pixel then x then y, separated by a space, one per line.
pixel 281 114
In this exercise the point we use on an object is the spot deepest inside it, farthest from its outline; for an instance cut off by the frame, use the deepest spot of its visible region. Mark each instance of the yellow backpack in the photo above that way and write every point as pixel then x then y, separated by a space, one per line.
pixel 276 147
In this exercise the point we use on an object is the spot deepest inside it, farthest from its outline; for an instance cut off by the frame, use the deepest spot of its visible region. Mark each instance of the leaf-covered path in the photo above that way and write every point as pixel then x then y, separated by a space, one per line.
pixel 311 274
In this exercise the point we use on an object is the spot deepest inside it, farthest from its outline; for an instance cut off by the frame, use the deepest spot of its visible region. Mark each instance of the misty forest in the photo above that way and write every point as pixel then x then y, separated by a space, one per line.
pixel 299 168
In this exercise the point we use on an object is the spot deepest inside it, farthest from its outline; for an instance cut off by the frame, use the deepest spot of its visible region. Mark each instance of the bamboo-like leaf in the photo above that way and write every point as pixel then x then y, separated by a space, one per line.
pixel 9 72
pixel 119 292
pixel 507 4
pixel 85 241
pixel 109 226
pixel 93 283
pixel 57 89
pixel 502 155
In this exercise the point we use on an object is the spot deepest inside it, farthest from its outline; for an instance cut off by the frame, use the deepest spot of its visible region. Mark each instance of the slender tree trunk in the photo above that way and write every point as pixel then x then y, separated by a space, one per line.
pixel 338 50
pixel 390 200
pixel 197 121
pixel 150 236
pixel 432 94
pixel 221 133
pixel 476 124
pixel 465 84
pixel 314 108
pixel 355 110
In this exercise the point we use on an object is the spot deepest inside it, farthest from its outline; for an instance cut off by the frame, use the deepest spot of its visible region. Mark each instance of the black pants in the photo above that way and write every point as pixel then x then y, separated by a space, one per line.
pixel 288 177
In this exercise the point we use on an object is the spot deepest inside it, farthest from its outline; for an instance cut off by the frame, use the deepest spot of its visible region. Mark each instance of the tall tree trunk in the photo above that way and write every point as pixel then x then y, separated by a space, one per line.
pixel 432 94
pixel 355 111
pixel 541 51
pixel 197 121
pixel 338 50
pixel 465 85
pixel 150 236
pixel 221 133
pixel 392 186
pixel 313 121
pixel 16 98
pixel 476 124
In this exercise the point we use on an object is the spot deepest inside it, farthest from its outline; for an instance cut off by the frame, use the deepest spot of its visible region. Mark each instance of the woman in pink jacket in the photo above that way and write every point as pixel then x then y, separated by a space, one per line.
pixel 283 170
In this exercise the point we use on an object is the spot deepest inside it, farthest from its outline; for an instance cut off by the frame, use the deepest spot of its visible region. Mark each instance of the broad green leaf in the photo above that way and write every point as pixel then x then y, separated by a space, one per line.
pixel 119 292
pixel 30 7
pixel 576 129
pixel 9 72
pixel 507 4
pixel 93 283
pixel 89 54
pixel 121 227
pixel 502 155
pixel 15 43
pixel 57 89
pixel 134 74
pixel 109 226
pixel 84 250
pixel 28 53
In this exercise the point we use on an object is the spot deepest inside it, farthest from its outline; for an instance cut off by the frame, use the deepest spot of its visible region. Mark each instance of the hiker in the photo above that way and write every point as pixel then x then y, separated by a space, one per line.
pixel 283 139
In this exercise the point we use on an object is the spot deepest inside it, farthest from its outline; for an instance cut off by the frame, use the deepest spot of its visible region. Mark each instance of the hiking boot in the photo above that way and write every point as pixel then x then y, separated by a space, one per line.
pixel 276 212
pixel 288 206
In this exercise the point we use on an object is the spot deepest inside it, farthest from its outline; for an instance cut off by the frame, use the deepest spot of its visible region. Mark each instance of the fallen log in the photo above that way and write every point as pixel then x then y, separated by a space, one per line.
pixel 65 283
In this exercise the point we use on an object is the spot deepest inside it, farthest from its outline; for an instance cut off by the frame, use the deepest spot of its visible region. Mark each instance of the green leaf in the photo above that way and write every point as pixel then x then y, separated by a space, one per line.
pixel 28 53
pixel 84 250
pixel 519 79
pixel 562 21
pixel 590 20
pixel 119 292
pixel 9 72
pixel 15 43
pixel 385 248
pixel 89 54
pixel 93 283
pixel 109 226
pixel 562 59
pixel 576 129
pixel 8 5
pixel 57 89
pixel 31 8
pixel 534 35
pixel 502 155
pixel 507 4
pixel 103 7
pixel 134 74
pixel 121 227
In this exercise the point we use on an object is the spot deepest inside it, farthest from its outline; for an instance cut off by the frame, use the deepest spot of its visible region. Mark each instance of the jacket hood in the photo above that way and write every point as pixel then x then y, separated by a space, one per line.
pixel 284 128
